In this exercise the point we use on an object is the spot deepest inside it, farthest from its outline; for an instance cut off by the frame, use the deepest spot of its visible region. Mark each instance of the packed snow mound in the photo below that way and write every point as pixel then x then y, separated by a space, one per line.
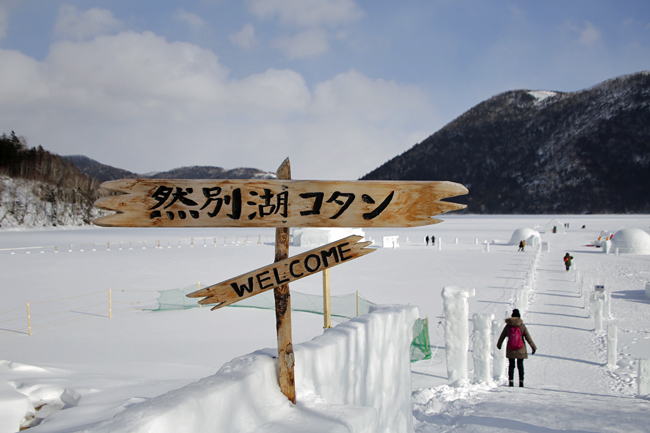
pixel 524 234
pixel 632 241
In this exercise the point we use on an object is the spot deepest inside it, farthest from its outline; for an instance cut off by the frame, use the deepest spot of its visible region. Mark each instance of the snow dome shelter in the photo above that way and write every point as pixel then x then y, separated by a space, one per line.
pixel 531 236
pixel 559 226
pixel 631 241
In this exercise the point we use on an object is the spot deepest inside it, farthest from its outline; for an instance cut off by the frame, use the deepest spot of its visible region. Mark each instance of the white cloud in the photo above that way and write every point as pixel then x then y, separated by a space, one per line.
pixel 195 22
pixel 78 26
pixel 589 35
pixel 307 13
pixel 307 43
pixel 140 102
pixel 245 38
pixel 5 8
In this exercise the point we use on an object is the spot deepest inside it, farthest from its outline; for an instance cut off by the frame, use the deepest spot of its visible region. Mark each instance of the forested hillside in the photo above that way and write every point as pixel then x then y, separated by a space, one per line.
pixel 39 188
pixel 527 151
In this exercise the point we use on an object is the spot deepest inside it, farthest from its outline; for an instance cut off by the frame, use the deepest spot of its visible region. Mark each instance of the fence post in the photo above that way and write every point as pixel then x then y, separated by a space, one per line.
pixel 29 321
pixel 612 342
pixel 327 303
pixel 643 379
pixel 357 303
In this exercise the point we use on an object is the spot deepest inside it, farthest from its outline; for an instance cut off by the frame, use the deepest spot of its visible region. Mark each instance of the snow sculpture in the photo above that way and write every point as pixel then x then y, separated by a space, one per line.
pixel 456 333
pixel 482 341
pixel 524 234
pixel 499 358
pixel 598 314
pixel 631 241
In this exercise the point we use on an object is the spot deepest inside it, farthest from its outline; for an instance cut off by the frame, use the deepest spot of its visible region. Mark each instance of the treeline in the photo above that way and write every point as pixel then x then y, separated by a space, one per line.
pixel 40 188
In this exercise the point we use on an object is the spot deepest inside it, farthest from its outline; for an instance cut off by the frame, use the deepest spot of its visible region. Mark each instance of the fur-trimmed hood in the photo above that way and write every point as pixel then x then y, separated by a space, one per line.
pixel 514 321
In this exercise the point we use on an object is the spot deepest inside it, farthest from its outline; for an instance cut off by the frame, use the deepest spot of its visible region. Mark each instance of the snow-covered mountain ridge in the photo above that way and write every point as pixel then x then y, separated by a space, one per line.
pixel 527 151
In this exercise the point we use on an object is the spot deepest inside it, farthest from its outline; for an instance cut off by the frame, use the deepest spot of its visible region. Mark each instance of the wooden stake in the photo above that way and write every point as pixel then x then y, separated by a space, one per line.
pixel 29 321
pixel 357 303
pixel 327 304
pixel 283 306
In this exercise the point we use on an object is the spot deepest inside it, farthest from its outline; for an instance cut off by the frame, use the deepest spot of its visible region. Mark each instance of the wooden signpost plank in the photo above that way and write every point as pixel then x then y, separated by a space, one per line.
pixel 276 203
pixel 283 272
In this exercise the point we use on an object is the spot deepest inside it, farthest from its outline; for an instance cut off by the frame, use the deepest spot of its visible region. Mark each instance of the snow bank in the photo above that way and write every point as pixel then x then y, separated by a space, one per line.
pixel 316 237
pixel 13 407
pixel 354 378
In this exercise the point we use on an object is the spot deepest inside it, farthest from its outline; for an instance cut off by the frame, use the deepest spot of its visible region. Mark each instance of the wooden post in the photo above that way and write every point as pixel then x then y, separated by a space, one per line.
pixel 110 304
pixel 357 303
pixel 29 321
pixel 327 304
pixel 283 306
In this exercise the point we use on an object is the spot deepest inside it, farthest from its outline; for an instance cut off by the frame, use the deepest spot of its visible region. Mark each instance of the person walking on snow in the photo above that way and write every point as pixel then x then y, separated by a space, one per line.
pixel 567 261
pixel 522 245
pixel 517 335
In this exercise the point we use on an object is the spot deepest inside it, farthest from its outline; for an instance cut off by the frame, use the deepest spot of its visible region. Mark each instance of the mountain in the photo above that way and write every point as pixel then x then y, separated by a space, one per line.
pixel 103 172
pixel 537 152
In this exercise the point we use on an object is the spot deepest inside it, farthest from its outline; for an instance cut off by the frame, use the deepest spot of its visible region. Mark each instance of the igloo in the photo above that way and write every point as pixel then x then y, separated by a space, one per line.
pixel 525 234
pixel 554 224
pixel 631 241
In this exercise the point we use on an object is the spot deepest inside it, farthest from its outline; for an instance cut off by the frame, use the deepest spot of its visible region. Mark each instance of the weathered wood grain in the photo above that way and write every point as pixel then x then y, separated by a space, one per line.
pixel 283 272
pixel 276 203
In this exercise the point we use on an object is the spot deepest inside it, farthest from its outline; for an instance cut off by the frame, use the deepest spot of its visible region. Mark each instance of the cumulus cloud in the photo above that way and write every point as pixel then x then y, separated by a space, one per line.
pixel 307 43
pixel 195 22
pixel 139 102
pixel 76 25
pixel 316 22
pixel 245 38
pixel 588 34
pixel 306 13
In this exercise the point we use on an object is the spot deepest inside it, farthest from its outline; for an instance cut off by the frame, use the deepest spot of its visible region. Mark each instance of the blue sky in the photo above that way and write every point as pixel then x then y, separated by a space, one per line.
pixel 339 86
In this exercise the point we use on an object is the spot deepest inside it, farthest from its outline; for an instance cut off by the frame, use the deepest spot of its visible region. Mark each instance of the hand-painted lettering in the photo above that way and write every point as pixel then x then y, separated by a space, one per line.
pixel 315 257
pixel 329 253
pixel 277 277
pixel 260 280
pixel 342 252
pixel 240 289
pixel 293 274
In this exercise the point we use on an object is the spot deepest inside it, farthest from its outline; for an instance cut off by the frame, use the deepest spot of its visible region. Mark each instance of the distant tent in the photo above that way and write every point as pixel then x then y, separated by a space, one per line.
pixel 554 223
pixel 631 241
pixel 525 234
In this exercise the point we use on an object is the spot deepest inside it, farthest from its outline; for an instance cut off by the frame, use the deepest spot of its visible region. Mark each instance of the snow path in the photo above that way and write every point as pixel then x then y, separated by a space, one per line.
pixel 568 388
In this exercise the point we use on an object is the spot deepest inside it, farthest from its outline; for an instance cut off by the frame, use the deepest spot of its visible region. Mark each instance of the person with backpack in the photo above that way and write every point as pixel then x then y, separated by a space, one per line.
pixel 517 335
pixel 567 261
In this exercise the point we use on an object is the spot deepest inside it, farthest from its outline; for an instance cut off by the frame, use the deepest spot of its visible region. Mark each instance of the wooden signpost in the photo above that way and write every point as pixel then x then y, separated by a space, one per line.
pixel 281 203
pixel 276 203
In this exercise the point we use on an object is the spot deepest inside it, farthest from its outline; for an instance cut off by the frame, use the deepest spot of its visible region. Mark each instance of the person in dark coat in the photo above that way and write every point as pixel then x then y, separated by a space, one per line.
pixel 567 261
pixel 518 354
pixel 427 239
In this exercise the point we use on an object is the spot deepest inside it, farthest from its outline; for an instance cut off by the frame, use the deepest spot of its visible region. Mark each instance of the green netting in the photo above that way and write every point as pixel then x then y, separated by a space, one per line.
pixel 341 306
pixel 420 347
pixel 346 306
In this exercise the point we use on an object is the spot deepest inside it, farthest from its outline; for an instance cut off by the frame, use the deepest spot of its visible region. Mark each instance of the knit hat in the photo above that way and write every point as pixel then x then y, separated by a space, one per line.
pixel 515 313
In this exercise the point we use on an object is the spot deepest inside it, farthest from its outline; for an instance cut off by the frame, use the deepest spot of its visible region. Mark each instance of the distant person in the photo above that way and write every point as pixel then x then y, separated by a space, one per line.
pixel 517 335
pixel 433 240
pixel 522 246
pixel 554 229
pixel 427 239
pixel 567 261
pixel 584 227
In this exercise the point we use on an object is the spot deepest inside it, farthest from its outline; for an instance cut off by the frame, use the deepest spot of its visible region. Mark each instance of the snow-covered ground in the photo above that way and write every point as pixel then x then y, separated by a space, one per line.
pixel 80 367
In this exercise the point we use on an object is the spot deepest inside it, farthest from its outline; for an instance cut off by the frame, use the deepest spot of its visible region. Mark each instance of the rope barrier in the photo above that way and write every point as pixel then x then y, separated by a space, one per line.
pixel 157 244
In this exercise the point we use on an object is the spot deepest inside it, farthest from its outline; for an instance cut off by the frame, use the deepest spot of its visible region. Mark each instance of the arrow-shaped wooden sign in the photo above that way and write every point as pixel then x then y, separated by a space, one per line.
pixel 276 203
pixel 282 272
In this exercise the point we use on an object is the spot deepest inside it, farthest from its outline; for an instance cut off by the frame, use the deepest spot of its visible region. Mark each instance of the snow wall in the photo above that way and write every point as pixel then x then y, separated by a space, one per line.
pixel 316 237
pixel 355 377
